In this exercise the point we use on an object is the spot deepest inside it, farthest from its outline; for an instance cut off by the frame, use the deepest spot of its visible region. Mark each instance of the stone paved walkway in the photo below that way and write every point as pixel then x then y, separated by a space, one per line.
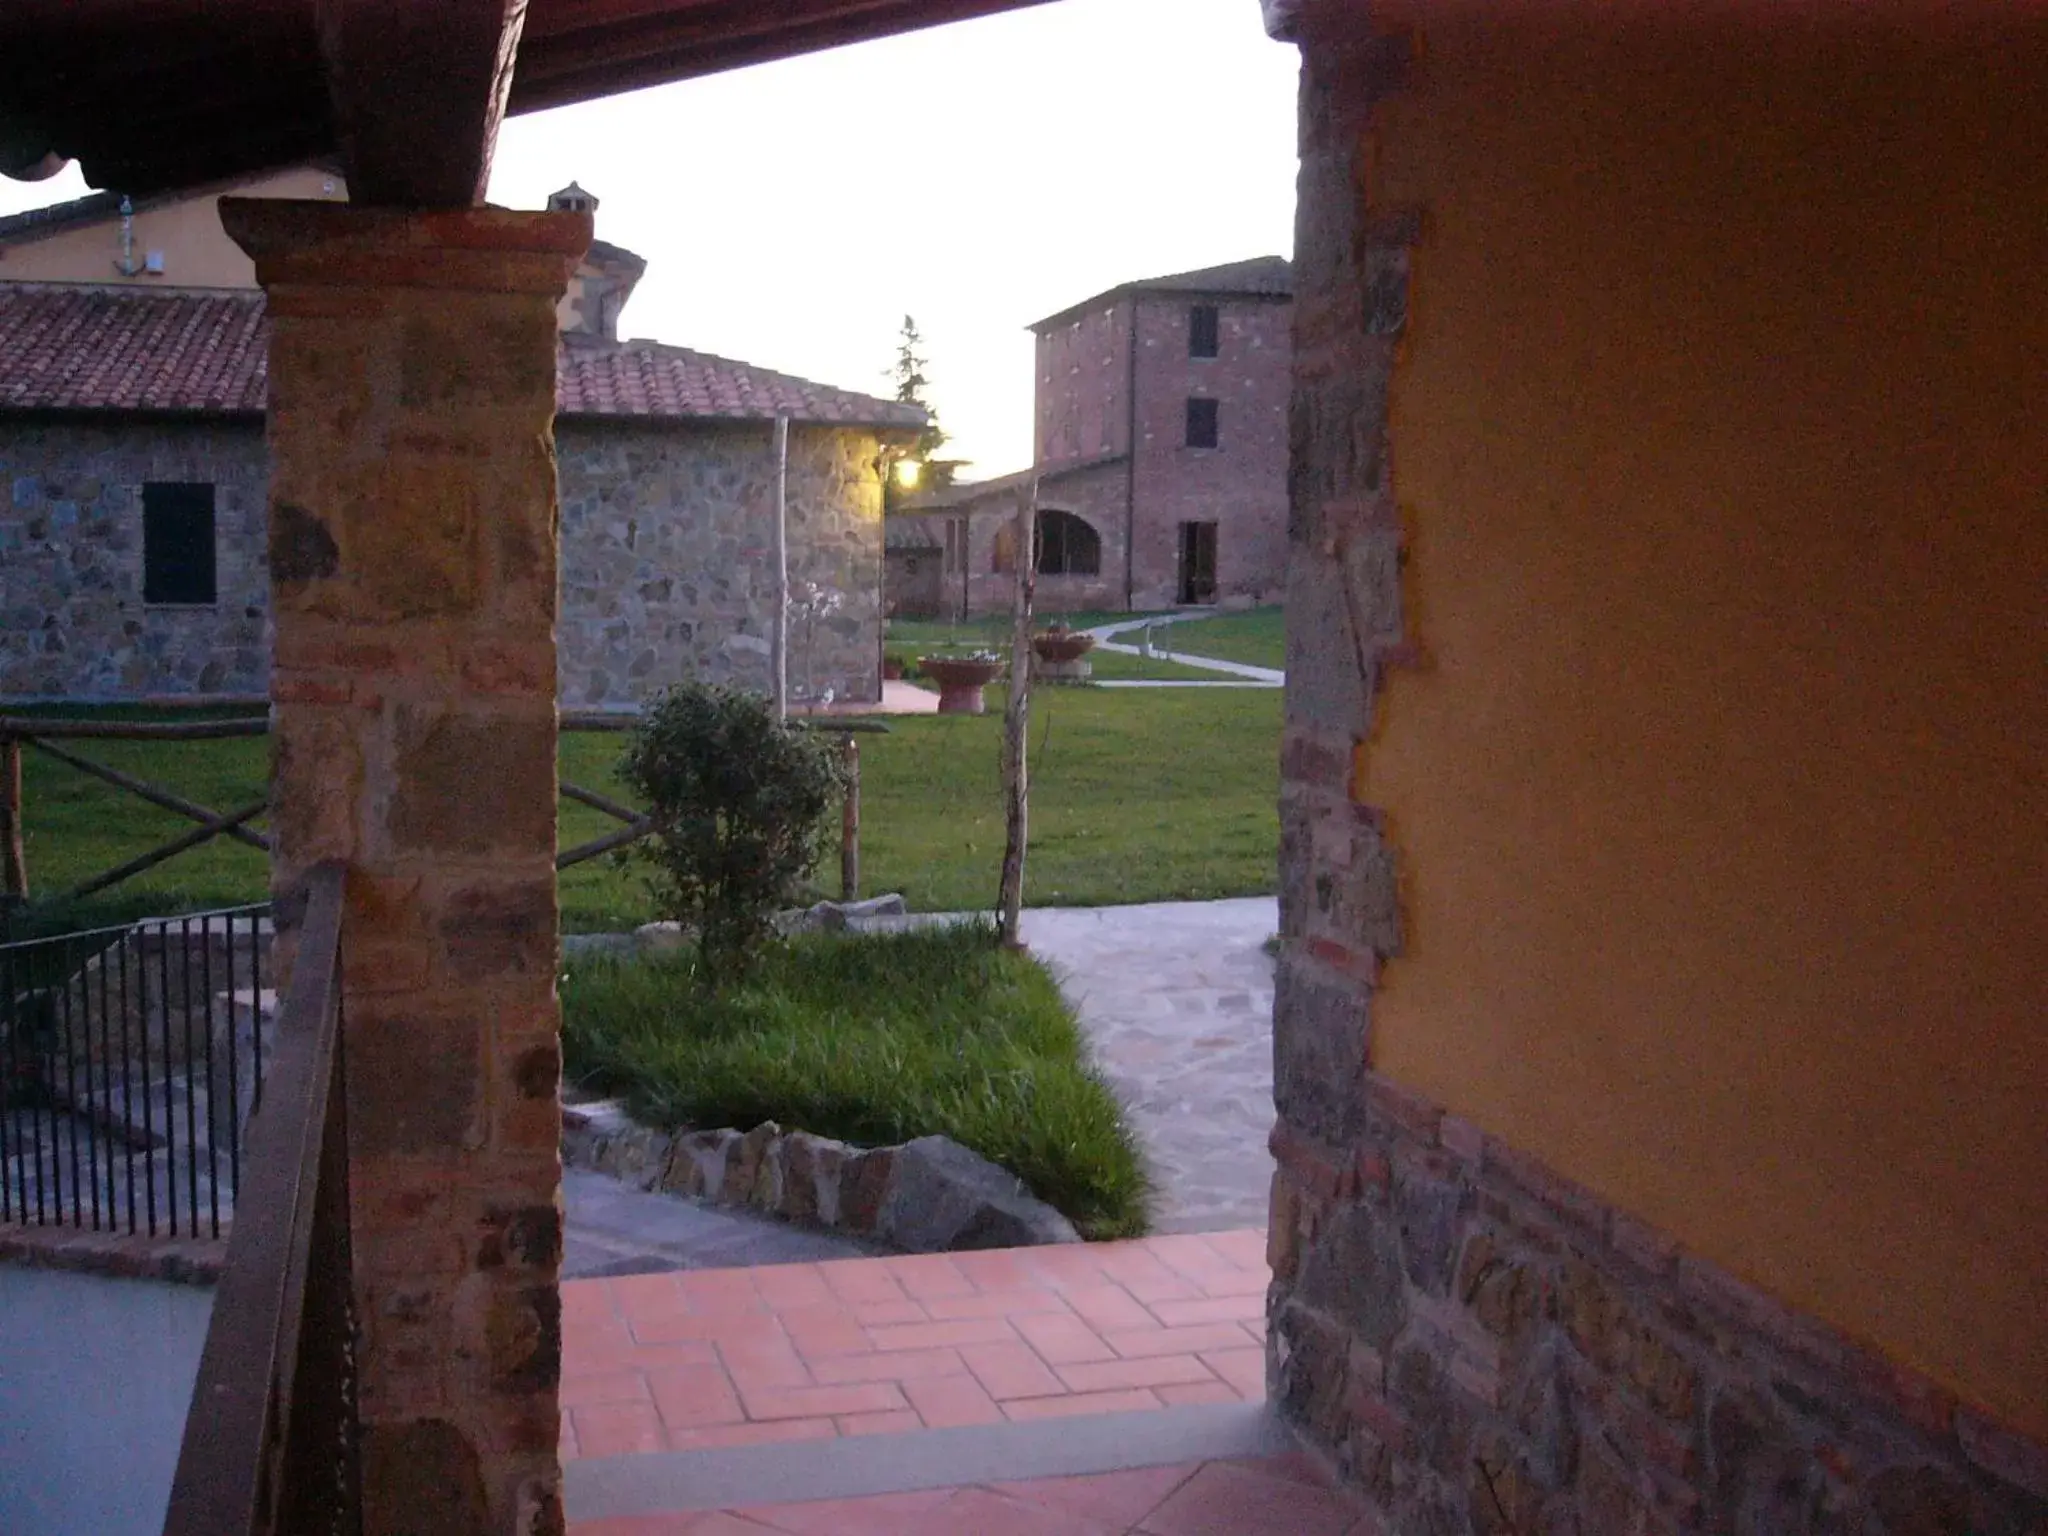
pixel 1245 674
pixel 614 1229
pixel 709 1359
pixel 1177 999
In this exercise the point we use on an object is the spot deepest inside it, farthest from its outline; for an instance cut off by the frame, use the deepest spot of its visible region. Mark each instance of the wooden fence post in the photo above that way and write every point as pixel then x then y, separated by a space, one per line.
pixel 1016 727
pixel 849 825
pixel 13 852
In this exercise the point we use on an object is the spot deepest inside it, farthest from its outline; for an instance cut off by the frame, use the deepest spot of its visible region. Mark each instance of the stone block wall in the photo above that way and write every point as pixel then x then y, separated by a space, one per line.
pixel 667 558
pixel 666 540
pixel 1487 1348
pixel 72 620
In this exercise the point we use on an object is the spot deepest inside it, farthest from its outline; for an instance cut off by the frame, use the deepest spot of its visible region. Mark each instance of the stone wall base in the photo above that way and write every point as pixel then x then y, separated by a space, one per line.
pixel 1487 1349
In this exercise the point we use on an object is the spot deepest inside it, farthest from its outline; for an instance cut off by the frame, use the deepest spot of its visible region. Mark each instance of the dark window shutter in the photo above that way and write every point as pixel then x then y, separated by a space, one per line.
pixel 1201 423
pixel 1204 332
pixel 178 552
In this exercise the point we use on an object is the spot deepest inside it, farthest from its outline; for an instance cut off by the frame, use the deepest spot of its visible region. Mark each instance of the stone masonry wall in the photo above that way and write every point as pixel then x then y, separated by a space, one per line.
pixel 1485 1348
pixel 1094 495
pixel 665 559
pixel 72 620
pixel 667 541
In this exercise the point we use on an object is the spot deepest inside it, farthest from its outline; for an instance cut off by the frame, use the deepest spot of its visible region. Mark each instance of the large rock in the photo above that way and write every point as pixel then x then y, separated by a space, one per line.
pixel 838 916
pixel 942 1197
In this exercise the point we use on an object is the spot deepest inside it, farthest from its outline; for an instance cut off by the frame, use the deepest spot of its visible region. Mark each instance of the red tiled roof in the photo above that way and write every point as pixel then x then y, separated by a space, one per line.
pixel 645 378
pixel 75 348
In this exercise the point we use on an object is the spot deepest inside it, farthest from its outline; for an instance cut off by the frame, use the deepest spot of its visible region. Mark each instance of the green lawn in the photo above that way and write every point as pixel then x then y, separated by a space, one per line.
pixel 1257 637
pixel 872 1039
pixel 909 639
pixel 1138 795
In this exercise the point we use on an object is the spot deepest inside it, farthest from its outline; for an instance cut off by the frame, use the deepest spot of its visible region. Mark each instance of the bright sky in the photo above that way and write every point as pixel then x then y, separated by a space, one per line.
pixel 978 176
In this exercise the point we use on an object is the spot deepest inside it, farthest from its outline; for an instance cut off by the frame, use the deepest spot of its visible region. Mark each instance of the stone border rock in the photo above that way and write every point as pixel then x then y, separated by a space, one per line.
pixel 931 1195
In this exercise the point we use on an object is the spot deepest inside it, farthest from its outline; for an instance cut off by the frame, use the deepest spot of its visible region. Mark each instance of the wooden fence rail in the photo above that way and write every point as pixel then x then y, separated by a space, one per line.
pixel 17 731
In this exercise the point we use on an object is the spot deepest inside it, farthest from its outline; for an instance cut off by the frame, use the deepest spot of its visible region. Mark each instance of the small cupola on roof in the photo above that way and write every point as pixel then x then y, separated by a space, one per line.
pixel 571 199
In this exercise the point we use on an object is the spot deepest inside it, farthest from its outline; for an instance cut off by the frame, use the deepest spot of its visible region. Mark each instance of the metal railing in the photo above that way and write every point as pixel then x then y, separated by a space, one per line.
pixel 271 1437
pixel 130 1058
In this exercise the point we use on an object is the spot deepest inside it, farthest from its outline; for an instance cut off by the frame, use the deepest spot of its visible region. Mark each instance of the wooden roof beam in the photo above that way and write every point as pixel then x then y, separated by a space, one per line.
pixel 418 92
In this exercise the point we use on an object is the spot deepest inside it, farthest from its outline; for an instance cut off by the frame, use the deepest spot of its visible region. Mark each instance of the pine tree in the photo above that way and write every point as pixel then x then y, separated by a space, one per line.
pixel 911 384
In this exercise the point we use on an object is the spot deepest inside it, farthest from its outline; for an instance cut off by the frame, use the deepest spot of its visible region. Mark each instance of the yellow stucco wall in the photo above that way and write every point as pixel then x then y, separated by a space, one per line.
pixel 1721 431
pixel 197 254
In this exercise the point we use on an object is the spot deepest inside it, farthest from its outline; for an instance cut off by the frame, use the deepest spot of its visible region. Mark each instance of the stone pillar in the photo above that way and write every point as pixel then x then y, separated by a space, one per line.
pixel 412 559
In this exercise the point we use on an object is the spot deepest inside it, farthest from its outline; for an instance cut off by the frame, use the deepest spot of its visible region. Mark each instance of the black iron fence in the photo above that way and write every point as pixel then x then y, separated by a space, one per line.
pixel 130 1059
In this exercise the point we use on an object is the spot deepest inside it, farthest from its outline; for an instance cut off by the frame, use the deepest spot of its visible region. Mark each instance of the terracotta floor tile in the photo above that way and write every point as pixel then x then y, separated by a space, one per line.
pixel 821 1331
pixel 1244 1369
pixel 880 1314
pixel 1152 1371
pixel 1224 1500
pixel 1109 1306
pixel 630 1294
pixel 821 1402
pixel 674 1327
pixel 586 1301
pixel 861 1280
pixel 1198 1394
pixel 1117 1499
pixel 784 1286
pixel 1245 1246
pixel 763 1362
pixel 1190 1255
pixel 1010 1370
pixel 720 1292
pixel 618 1386
pixel 897 1365
pixel 723 1522
pixel 618 1429
pixel 721 1437
pixel 1017 1302
pixel 1063 1340
pixel 998 1269
pixel 1076 1404
pixel 901 1421
pixel 928 1275
pixel 1210 1309
pixel 1067 1264
pixel 972 1330
pixel 984 1512
pixel 1295 1466
pixel 694 1396
pixel 1242 1283
pixel 1139 1343
pixel 1138 1272
pixel 639 1525
pixel 949 1402
pixel 889 1514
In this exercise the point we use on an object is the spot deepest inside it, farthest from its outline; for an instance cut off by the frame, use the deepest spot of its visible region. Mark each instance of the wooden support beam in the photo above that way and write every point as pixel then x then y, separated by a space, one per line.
pixel 418 92
pixel 13 851
pixel 849 823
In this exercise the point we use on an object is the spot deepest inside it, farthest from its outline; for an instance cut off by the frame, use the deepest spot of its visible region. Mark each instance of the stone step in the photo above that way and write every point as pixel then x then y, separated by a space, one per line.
pixel 863 1466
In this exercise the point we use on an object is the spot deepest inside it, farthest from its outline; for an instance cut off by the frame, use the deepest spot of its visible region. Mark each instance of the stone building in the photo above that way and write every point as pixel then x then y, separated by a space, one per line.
pixel 133 543
pixel 1161 457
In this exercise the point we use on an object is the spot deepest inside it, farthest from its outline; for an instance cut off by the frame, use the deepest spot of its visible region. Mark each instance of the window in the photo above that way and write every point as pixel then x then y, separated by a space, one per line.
pixel 1204 338
pixel 1201 423
pixel 177 543
pixel 1067 546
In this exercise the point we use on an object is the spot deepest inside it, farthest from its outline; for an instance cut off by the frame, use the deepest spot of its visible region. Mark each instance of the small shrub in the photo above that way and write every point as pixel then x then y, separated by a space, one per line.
pixel 737 798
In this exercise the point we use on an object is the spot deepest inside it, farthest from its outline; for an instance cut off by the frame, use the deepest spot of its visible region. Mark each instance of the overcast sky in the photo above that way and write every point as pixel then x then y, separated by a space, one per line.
pixel 977 176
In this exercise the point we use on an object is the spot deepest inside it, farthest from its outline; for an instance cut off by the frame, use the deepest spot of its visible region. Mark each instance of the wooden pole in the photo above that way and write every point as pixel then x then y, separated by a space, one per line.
pixel 1016 726
pixel 849 824
pixel 12 850
pixel 778 641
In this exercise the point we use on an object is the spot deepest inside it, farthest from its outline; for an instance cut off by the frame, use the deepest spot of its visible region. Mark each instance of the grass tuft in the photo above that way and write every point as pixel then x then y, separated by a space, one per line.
pixel 873 1039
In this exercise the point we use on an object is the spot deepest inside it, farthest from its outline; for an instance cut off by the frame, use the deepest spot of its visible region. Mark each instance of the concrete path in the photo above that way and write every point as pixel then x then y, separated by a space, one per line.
pixel 95 1378
pixel 614 1229
pixel 1246 674
pixel 1177 999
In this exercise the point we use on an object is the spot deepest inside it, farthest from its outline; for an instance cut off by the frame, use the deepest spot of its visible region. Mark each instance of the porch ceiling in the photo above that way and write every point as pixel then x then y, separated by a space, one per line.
pixel 150 96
